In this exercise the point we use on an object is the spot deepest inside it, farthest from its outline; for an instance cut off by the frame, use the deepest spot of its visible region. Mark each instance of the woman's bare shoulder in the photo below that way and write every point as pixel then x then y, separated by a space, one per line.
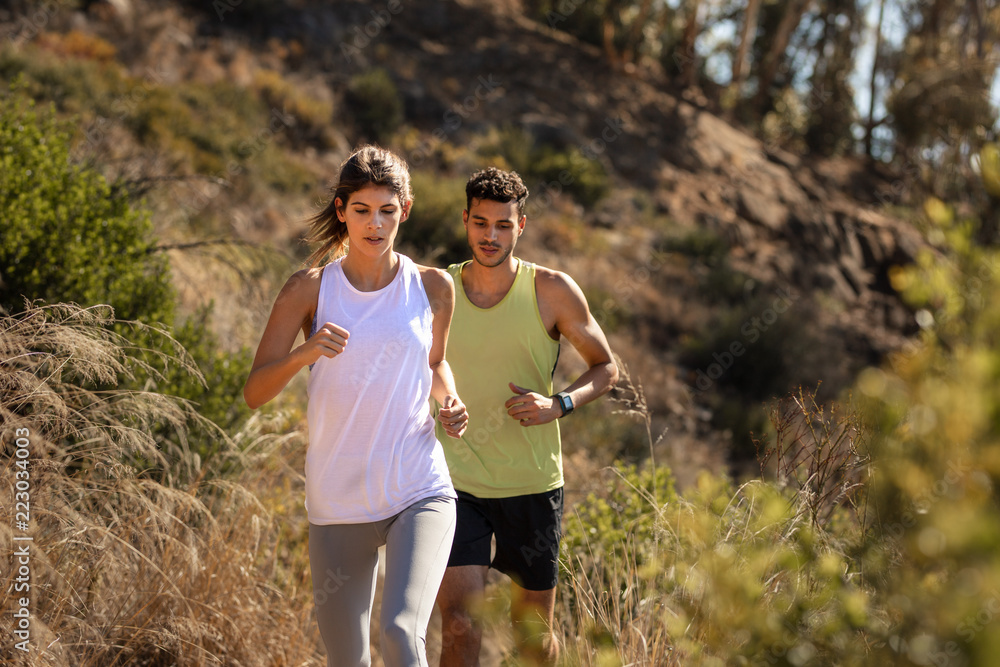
pixel 302 286
pixel 438 284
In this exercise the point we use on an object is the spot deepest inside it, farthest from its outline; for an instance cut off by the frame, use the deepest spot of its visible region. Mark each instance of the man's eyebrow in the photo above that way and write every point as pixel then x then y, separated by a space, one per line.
pixel 477 216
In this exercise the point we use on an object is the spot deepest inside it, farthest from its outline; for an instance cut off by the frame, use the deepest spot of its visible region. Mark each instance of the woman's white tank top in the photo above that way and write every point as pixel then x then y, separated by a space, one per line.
pixel 372 449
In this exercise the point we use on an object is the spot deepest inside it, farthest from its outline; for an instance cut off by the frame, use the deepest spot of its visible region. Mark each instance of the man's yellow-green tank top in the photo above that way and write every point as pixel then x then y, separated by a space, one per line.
pixel 487 348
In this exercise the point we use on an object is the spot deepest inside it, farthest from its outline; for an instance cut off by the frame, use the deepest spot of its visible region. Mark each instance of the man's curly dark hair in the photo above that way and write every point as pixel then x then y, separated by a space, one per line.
pixel 496 185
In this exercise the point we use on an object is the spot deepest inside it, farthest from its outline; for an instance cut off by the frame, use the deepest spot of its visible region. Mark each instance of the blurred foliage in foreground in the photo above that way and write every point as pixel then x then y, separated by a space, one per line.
pixel 871 537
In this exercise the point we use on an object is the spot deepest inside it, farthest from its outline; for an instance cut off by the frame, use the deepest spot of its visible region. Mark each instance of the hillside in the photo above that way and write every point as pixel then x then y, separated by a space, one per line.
pixel 725 270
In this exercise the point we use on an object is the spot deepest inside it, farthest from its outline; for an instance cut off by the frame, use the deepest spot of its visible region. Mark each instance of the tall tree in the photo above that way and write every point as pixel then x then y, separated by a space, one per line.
pixel 776 49
pixel 741 68
pixel 873 92
pixel 830 101
pixel 941 98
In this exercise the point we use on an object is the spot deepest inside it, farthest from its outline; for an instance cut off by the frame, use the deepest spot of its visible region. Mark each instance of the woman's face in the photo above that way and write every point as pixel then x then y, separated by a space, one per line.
pixel 372 215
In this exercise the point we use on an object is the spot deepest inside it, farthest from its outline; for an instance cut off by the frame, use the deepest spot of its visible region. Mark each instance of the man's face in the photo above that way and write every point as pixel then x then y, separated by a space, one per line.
pixel 492 229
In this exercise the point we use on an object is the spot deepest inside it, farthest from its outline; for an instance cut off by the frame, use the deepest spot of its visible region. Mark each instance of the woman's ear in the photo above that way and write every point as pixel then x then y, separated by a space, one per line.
pixel 339 207
pixel 405 210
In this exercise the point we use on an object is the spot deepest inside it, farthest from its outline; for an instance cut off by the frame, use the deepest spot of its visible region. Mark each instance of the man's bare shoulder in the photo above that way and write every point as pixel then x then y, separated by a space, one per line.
pixel 554 285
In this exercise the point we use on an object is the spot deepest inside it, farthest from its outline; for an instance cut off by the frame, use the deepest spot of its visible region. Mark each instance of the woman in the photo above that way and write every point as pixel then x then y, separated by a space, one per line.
pixel 375 327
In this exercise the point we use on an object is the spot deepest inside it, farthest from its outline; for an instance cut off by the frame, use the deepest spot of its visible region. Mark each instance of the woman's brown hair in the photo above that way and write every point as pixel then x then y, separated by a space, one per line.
pixel 369 165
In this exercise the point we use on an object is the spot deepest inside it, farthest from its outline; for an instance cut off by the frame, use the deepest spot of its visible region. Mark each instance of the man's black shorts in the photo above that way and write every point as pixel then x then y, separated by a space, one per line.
pixel 527 529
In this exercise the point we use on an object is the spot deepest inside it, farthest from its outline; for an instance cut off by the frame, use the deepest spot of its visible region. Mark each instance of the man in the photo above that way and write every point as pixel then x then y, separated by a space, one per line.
pixel 507 469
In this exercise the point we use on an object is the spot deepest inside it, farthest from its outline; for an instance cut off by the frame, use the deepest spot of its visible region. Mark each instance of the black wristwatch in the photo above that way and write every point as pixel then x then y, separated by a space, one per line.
pixel 565 402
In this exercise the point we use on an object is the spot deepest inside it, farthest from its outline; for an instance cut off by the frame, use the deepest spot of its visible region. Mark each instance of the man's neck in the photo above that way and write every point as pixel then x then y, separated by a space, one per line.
pixel 489 284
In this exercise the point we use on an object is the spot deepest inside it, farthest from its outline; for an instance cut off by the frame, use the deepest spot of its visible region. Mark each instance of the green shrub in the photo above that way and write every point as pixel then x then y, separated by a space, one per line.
pixel 69 236
pixel 604 523
pixel 509 147
pixel 569 171
pixel 434 228
pixel 312 116
pixel 220 130
pixel 719 575
pixel 375 104
pixel 757 349
pixel 548 171
pixel 934 410
pixel 700 243
pixel 834 557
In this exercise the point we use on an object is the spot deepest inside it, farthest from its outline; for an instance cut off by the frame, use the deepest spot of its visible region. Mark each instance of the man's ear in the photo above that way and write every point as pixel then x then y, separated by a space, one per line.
pixel 520 224
pixel 465 218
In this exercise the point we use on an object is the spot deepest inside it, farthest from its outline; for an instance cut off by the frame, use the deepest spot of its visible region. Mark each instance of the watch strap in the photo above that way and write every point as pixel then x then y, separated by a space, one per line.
pixel 565 402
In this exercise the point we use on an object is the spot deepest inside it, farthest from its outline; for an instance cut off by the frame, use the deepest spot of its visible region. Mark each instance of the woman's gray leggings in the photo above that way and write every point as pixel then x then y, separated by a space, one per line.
pixel 344 563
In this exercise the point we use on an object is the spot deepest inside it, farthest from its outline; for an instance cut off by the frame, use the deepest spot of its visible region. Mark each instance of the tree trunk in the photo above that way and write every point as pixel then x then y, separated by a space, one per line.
pixel 772 59
pixel 873 88
pixel 608 38
pixel 692 27
pixel 635 33
pixel 740 66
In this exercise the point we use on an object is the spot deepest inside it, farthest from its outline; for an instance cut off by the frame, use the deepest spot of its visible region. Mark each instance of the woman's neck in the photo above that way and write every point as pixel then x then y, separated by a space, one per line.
pixel 369 274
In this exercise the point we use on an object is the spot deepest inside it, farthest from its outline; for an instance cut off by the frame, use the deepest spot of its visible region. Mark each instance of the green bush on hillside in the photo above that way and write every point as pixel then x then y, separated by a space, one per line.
pixel 375 104
pixel 546 170
pixel 434 227
pixel 222 131
pixel 69 236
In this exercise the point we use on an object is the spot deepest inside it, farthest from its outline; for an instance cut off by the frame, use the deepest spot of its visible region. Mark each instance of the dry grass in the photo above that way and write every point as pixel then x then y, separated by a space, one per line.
pixel 126 569
pixel 821 453
pixel 720 575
